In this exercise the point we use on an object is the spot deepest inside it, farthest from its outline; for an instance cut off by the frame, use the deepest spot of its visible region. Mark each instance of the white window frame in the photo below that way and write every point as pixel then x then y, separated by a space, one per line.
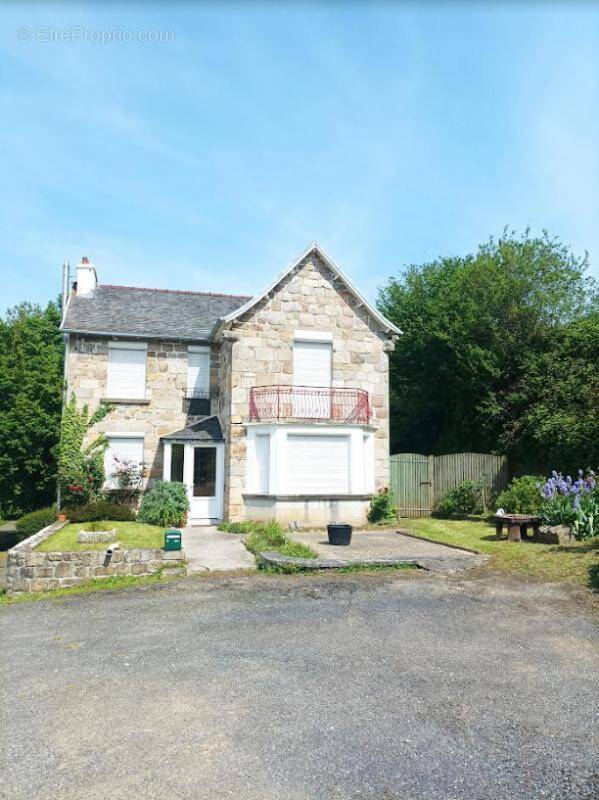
pixel 361 456
pixel 124 345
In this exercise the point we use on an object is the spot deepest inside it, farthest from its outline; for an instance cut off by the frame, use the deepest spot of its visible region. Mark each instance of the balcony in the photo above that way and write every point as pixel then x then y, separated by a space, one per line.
pixel 196 402
pixel 309 403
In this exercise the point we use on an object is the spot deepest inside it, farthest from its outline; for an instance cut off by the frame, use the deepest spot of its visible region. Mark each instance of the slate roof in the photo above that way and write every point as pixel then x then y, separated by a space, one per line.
pixel 208 429
pixel 148 313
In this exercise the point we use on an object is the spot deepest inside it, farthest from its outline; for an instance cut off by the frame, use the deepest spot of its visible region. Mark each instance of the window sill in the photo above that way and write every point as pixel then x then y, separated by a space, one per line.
pixel 131 401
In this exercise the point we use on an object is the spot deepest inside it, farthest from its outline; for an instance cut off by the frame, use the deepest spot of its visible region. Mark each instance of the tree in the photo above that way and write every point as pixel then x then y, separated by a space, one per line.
pixel 561 419
pixel 474 329
pixel 31 379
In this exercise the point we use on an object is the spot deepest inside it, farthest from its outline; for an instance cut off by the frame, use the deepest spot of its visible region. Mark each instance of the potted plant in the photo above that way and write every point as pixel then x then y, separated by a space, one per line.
pixel 339 533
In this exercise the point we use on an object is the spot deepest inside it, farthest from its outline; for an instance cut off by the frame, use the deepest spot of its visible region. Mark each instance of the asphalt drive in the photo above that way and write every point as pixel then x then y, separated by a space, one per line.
pixel 302 688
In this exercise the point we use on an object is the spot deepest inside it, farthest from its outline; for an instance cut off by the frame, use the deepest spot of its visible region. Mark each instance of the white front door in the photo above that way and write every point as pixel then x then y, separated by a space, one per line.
pixel 204 479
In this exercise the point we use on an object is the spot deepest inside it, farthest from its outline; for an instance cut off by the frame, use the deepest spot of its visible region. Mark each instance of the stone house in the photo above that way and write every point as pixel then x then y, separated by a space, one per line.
pixel 267 407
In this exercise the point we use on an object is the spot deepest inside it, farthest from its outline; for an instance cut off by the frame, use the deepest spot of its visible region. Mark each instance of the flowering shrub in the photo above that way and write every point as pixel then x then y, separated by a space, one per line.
pixel 558 485
pixel 573 503
pixel 128 475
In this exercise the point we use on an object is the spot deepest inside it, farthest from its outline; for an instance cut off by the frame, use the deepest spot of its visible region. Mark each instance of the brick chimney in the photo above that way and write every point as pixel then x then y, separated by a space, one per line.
pixel 86 277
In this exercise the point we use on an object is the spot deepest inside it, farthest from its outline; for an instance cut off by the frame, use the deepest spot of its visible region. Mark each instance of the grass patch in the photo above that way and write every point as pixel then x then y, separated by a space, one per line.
pixel 98 585
pixel 269 536
pixel 246 526
pixel 575 563
pixel 130 534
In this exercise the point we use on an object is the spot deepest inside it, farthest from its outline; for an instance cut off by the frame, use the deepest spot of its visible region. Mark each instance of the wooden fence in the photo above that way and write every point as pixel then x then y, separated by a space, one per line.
pixel 418 482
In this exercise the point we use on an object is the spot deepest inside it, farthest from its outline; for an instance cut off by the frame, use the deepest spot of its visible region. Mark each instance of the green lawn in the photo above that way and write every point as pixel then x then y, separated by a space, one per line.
pixel 577 563
pixel 129 534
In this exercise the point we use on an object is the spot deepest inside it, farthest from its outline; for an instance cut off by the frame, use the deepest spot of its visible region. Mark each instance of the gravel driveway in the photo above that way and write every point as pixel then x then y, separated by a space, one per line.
pixel 301 688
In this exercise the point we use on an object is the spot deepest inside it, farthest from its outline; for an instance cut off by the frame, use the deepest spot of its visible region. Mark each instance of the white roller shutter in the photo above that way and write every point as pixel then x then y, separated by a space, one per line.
pixel 262 463
pixel 123 447
pixel 312 363
pixel 317 464
pixel 127 372
pixel 198 373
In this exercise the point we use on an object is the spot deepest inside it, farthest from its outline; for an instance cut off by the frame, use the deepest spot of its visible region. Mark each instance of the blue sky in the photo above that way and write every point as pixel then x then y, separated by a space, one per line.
pixel 390 133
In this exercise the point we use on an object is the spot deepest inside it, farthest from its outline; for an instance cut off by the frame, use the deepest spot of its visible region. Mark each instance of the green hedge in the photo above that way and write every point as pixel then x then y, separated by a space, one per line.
pixel 34 521
pixel 100 510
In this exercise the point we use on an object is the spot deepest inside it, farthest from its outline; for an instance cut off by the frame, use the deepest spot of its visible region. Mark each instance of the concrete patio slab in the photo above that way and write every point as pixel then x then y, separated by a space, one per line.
pixel 391 547
pixel 208 549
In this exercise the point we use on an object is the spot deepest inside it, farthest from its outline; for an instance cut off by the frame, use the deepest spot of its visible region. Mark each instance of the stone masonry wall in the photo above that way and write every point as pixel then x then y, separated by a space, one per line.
pixel 310 298
pixel 166 382
pixel 28 570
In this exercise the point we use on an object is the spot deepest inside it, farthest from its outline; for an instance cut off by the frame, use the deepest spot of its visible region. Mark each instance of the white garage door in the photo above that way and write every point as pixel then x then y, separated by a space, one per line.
pixel 318 464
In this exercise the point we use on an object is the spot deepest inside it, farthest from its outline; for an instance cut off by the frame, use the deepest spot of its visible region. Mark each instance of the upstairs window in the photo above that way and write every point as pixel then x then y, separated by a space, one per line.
pixel 198 372
pixel 127 370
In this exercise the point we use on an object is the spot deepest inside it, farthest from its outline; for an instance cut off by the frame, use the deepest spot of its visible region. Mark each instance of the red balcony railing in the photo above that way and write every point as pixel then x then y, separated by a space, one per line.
pixel 268 403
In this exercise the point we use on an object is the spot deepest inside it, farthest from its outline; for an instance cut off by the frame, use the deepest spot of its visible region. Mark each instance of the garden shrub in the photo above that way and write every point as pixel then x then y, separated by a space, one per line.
pixel 463 500
pixel 382 508
pixel 100 510
pixel 558 510
pixel 522 496
pixel 165 504
pixel 34 521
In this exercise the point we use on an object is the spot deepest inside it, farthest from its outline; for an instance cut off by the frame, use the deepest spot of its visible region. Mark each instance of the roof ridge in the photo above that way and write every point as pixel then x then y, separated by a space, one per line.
pixel 172 291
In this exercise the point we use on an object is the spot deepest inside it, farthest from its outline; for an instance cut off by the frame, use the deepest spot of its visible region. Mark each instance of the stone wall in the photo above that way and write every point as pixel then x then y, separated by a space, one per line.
pixel 261 354
pixel 166 383
pixel 28 570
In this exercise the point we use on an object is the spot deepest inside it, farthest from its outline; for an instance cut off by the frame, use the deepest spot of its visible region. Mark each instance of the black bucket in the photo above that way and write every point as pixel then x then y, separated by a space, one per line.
pixel 339 534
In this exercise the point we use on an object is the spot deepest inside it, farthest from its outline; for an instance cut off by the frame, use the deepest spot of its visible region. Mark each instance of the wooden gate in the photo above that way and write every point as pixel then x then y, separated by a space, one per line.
pixel 418 482
pixel 411 483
